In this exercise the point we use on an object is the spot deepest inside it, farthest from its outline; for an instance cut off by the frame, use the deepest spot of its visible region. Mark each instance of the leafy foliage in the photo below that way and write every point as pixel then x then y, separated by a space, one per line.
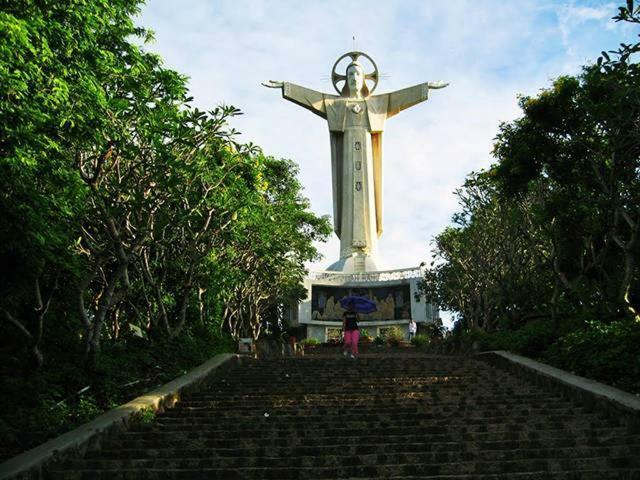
pixel 365 335
pixel 36 408
pixel 420 340
pixel 606 352
pixel 544 251
pixel 392 335
pixel 312 342
pixel 129 217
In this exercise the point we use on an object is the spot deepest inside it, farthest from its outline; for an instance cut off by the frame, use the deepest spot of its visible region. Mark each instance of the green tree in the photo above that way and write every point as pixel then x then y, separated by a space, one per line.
pixel 552 228
pixel 267 268
pixel 489 266
pixel 55 61
pixel 119 191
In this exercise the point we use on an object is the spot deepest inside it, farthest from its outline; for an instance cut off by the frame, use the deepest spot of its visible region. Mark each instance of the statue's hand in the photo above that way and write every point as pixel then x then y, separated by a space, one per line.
pixel 273 84
pixel 436 85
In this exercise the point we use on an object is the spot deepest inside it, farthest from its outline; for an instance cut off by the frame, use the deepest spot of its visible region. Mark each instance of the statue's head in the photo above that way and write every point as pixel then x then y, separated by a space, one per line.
pixel 355 80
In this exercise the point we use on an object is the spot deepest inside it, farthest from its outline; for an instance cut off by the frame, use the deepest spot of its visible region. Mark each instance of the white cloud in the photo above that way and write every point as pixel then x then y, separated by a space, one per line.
pixel 576 19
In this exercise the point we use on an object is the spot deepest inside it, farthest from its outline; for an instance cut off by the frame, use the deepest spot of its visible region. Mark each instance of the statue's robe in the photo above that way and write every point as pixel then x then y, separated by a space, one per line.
pixel 356 137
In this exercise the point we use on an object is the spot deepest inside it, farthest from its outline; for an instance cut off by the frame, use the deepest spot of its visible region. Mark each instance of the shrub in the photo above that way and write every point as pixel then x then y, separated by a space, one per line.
pixel 420 340
pixel 392 335
pixel 334 335
pixel 432 330
pixel 532 340
pixel 144 416
pixel 379 341
pixel 364 333
pixel 310 341
pixel 604 352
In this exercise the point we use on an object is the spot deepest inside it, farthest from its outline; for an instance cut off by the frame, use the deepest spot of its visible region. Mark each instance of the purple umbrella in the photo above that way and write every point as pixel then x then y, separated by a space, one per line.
pixel 359 304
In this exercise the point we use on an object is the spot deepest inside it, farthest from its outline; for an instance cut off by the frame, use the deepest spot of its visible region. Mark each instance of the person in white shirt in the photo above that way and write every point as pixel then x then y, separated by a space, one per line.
pixel 413 328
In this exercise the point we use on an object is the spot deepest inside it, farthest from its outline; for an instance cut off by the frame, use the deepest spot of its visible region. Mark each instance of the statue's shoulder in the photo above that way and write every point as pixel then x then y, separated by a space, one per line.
pixel 336 108
pixel 378 103
pixel 334 100
pixel 335 103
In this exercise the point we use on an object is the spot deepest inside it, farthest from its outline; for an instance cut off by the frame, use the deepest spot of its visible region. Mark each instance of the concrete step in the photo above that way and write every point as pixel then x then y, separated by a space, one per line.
pixel 336 436
pixel 503 470
pixel 365 411
pixel 494 461
pixel 437 442
pixel 410 417
pixel 335 427
pixel 384 453
pixel 361 401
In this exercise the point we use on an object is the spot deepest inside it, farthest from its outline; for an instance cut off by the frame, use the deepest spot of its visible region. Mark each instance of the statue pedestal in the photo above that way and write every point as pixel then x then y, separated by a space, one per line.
pixel 394 291
pixel 356 263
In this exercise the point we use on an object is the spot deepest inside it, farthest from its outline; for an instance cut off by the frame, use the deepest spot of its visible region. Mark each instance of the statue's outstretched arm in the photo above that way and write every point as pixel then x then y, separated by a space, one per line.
pixel 305 97
pixel 408 97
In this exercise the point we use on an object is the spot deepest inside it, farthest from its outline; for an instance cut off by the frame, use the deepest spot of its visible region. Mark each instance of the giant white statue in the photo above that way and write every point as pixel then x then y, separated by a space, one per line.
pixel 356 120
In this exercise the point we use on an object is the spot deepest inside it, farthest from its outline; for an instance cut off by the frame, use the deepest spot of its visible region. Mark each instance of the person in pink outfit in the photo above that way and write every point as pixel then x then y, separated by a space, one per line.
pixel 351 332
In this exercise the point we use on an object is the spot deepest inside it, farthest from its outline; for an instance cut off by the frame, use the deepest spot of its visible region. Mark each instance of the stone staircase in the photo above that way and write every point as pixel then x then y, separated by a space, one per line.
pixel 380 416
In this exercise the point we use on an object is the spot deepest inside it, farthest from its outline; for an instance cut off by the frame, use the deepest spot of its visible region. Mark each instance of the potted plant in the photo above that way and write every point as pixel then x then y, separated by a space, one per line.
pixel 310 344
pixel 393 336
pixel 365 337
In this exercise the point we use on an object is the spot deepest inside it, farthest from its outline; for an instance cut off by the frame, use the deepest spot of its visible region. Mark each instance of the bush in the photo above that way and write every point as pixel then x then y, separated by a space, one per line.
pixel 532 340
pixel 144 416
pixel 310 341
pixel 604 352
pixel 420 340
pixel 334 335
pixel 364 334
pixel 379 341
pixel 392 335
pixel 432 330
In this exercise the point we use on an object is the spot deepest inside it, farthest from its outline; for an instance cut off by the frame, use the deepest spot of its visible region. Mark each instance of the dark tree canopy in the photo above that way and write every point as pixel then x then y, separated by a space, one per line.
pixel 125 208
pixel 552 228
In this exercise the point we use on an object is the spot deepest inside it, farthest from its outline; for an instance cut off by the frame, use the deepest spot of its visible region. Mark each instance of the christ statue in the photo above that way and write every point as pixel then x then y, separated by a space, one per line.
pixel 356 120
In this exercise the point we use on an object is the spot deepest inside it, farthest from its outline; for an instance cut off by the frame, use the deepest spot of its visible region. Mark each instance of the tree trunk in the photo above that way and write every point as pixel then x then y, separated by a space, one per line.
pixel 94 330
pixel 628 250
pixel 35 318
pixel 181 312
pixel 201 304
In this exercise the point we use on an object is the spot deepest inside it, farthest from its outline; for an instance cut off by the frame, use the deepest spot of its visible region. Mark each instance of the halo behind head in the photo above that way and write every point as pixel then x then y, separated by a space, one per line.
pixel 338 77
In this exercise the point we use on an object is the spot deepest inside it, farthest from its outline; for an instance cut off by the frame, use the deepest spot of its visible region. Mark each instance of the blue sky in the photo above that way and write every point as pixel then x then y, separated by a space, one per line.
pixel 489 50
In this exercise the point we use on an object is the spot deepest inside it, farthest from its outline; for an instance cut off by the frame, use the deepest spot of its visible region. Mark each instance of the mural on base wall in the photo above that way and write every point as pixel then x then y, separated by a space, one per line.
pixel 393 302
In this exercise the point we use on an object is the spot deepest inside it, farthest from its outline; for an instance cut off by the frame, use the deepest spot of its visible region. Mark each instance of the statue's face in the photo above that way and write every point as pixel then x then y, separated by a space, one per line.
pixel 355 79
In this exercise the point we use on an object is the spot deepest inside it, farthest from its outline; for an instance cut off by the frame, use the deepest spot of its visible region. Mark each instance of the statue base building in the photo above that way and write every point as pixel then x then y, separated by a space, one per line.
pixel 395 293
